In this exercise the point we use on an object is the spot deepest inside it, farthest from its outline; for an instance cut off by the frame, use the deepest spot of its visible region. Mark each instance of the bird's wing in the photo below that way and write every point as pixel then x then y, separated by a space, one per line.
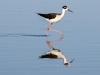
pixel 49 16
pixel 48 56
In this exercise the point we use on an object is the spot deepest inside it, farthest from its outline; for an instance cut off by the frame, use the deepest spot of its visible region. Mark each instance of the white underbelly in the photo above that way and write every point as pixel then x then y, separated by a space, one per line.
pixel 54 20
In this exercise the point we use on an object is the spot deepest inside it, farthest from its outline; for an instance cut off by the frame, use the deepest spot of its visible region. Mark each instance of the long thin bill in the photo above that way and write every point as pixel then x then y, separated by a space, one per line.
pixel 70 10
pixel 71 61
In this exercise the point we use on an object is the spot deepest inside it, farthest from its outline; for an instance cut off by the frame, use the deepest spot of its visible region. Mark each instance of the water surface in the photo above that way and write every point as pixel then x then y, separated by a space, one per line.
pixel 23 39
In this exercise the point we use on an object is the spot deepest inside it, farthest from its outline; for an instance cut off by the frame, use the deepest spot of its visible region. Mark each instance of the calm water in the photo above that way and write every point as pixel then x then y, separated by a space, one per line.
pixel 23 40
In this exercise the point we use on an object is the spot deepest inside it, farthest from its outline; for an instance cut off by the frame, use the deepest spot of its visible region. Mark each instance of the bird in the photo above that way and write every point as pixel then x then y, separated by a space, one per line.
pixel 54 18
pixel 56 54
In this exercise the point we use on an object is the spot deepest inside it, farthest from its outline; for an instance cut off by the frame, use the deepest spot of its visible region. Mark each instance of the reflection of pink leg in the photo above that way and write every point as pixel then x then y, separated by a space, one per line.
pixel 49 42
pixel 56 31
pixel 47 33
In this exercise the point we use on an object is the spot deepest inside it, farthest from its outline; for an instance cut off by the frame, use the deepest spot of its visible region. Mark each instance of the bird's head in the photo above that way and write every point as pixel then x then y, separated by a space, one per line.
pixel 67 64
pixel 66 8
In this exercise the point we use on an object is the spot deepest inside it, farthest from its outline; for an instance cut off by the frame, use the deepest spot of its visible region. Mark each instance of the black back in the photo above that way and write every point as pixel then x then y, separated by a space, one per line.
pixel 48 16
pixel 48 56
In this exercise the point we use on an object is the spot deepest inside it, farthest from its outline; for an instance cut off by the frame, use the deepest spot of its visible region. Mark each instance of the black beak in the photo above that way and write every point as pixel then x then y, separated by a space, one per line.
pixel 70 10
pixel 71 61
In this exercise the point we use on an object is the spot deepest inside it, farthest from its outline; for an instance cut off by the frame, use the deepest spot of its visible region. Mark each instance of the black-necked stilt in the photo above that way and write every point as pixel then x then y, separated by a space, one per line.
pixel 56 54
pixel 53 18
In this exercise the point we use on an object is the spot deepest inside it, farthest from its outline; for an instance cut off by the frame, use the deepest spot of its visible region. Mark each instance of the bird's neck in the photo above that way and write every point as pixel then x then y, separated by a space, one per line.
pixel 64 59
pixel 63 12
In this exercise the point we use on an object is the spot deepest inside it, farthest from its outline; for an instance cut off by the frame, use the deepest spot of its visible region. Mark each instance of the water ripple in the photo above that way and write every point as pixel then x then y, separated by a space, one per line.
pixel 20 35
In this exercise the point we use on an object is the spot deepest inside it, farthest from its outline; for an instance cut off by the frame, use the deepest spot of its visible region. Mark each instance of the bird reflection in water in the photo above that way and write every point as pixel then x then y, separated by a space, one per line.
pixel 55 53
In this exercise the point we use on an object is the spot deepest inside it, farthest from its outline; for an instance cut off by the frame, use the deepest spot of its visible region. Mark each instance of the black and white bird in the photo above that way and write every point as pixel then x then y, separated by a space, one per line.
pixel 54 18
pixel 56 54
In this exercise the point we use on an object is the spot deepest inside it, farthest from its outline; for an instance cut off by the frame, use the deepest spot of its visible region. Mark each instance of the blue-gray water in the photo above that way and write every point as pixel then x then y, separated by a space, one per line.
pixel 23 40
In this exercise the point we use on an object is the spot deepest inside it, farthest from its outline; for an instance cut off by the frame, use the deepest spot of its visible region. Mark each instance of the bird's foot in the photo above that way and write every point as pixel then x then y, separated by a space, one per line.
pixel 60 32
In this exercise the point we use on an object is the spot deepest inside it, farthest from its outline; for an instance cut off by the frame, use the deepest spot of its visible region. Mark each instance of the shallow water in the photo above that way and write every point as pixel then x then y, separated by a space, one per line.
pixel 23 39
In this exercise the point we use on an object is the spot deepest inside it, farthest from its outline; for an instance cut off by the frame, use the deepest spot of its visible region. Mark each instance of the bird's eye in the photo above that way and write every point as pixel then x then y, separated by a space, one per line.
pixel 65 7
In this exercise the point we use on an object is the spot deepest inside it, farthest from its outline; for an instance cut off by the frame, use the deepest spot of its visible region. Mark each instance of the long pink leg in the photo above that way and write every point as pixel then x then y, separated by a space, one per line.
pixel 56 31
pixel 48 28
